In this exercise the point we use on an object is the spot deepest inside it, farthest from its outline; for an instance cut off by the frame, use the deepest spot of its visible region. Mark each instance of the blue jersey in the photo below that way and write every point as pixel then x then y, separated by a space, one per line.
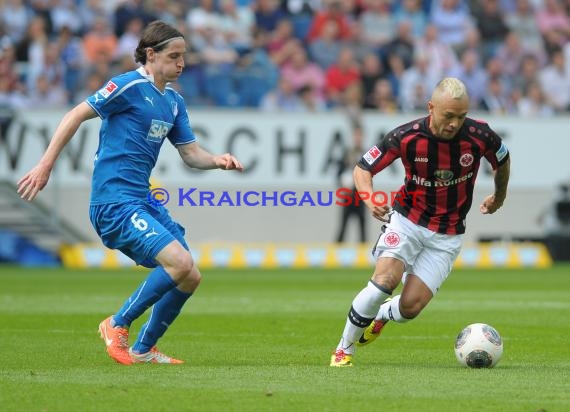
pixel 137 117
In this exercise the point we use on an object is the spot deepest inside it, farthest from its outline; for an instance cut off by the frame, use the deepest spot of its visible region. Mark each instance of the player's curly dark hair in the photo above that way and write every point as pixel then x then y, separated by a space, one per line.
pixel 155 36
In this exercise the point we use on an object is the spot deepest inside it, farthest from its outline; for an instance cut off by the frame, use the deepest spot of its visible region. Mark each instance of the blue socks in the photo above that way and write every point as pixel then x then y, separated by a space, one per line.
pixel 161 317
pixel 156 285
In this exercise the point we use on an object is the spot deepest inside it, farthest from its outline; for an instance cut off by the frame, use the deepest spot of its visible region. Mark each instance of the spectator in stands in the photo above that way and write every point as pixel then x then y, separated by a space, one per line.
pixel 311 102
pixel 267 14
pixel 527 74
pixel 11 99
pixel 523 22
pixel 284 98
pixel 384 99
pixel 351 101
pixel 554 80
pixel 441 56
pixel 11 89
pixel 533 103
pixel 126 11
pixel 203 16
pixel 355 42
pixel 411 11
pixel 218 59
pixel 255 73
pixel 15 16
pixel 495 100
pixel 377 24
pixel 340 75
pixel 237 24
pixel 31 50
pixel 71 55
pixel 452 19
pixel 281 43
pixel 64 14
pixel 53 67
pixel 325 48
pixel 42 8
pixel 301 14
pixel 300 71
pixel 510 53
pixel 396 69
pixel 472 74
pixel 100 42
pixel 416 84
pixel 352 9
pixel 332 11
pixel 372 69
pixel 89 10
pixel 46 94
pixel 130 37
pixel 492 27
pixel 553 23
pixel 472 42
pixel 94 80
pixel 495 69
pixel 168 11
pixel 402 44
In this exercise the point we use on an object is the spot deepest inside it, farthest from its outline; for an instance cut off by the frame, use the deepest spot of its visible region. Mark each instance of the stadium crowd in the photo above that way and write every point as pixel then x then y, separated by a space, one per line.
pixel 298 55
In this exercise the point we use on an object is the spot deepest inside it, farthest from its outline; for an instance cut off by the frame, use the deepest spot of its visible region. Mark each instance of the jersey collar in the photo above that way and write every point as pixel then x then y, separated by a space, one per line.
pixel 144 74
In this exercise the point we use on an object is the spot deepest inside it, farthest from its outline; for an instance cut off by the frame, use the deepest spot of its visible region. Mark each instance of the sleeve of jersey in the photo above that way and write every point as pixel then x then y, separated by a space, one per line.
pixel 380 156
pixel 109 99
pixel 497 152
pixel 181 132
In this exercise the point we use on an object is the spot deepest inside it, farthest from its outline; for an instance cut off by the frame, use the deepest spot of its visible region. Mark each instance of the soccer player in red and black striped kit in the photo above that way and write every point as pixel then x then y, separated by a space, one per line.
pixel 424 227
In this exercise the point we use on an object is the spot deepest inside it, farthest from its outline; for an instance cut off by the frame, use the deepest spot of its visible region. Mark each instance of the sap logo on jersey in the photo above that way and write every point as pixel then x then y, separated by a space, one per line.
pixel 158 130
pixel 371 155
pixel 109 88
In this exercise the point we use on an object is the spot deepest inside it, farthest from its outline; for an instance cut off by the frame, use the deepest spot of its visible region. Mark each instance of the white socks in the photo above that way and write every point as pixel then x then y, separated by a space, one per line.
pixel 391 311
pixel 364 307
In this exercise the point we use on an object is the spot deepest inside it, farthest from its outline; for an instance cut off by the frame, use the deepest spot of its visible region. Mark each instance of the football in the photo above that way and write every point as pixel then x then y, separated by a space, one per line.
pixel 479 346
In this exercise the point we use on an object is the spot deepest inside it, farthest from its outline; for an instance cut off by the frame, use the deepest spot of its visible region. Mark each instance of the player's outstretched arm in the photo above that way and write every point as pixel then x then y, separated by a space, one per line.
pixel 363 183
pixel 196 157
pixel 493 202
pixel 36 179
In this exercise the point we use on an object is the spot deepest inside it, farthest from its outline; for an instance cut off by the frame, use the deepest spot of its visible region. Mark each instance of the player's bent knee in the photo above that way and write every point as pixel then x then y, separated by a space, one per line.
pixel 181 266
pixel 410 309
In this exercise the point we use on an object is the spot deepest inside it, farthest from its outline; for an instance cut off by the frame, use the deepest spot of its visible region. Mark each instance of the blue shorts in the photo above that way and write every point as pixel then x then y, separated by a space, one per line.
pixel 138 229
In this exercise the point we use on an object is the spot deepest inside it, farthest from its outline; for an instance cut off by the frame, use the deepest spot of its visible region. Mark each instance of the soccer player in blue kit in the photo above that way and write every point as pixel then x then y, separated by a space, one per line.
pixel 138 111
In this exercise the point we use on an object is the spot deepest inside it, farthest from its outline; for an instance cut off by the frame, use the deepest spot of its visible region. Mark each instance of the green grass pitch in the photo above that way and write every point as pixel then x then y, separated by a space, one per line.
pixel 260 340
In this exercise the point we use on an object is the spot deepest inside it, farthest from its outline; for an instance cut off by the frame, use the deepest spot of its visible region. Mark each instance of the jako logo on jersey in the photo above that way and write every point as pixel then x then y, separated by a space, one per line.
pixel 175 109
pixel 373 154
pixel 466 159
pixel 158 130
pixel 109 88
pixel 419 159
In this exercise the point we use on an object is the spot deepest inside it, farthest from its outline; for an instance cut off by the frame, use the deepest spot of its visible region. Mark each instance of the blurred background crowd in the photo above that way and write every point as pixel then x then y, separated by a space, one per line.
pixel 298 55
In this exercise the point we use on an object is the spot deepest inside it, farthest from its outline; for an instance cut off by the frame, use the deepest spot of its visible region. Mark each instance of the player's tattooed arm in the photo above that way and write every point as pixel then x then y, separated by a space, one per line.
pixel 493 202
pixel 501 181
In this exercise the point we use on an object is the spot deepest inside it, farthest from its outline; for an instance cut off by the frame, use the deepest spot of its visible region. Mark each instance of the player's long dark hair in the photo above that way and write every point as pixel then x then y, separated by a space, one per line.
pixel 155 36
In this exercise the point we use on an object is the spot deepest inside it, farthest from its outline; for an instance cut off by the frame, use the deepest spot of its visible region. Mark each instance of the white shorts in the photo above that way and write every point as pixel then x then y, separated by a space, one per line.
pixel 426 254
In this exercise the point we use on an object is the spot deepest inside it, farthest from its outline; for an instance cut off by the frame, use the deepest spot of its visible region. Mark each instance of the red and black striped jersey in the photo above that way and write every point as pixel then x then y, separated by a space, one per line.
pixel 440 174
